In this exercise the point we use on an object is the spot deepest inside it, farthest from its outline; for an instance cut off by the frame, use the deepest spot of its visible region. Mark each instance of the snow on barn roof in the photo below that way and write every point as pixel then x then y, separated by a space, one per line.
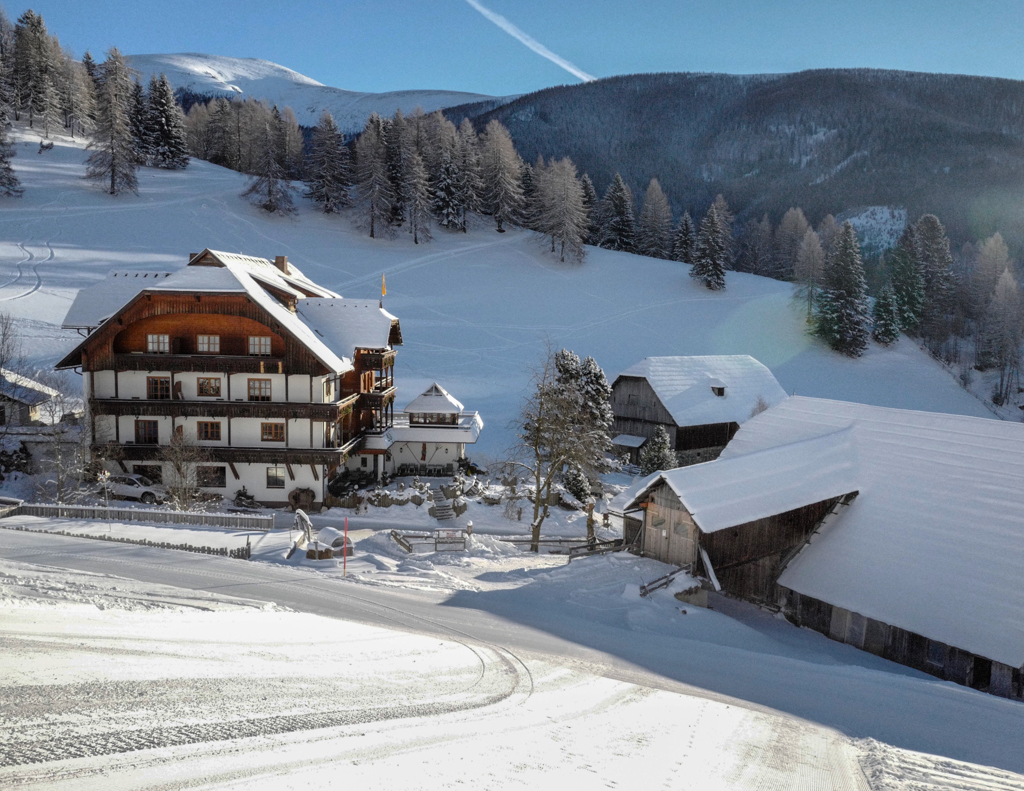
pixel 730 492
pixel 348 324
pixel 435 399
pixel 16 387
pixel 628 441
pixel 683 385
pixel 934 544
pixel 99 302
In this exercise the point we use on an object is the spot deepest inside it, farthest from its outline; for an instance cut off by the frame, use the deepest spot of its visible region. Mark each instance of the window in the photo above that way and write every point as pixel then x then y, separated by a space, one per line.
pixel 433 418
pixel 272 432
pixel 147 432
pixel 259 345
pixel 423 452
pixel 153 472
pixel 364 461
pixel 275 477
pixel 206 386
pixel 208 431
pixel 158 387
pixel 208 344
pixel 259 389
pixel 158 344
pixel 212 477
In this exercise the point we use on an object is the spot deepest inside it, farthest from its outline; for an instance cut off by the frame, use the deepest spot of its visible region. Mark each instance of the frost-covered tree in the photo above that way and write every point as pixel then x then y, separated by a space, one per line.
pixel 725 225
pixel 269 188
pixel 90 66
pixel 138 112
pixel 165 127
pixel 9 184
pixel 448 208
pixel 992 259
pixel 576 483
pixel 417 192
pixel 885 318
pixel 35 72
pixel 937 269
pixel 788 238
pixel 828 230
pixel 398 148
pixel 77 97
pixel 617 217
pixel 590 207
pixel 560 212
pixel 907 280
pixel 685 240
pixel 532 175
pixel 654 232
pixel 843 318
pixel 757 248
pixel 501 173
pixel 709 257
pixel 328 173
pixel 291 144
pixel 809 267
pixel 470 183
pixel 1005 329
pixel 657 454
pixel 8 87
pixel 374 186
pixel 114 156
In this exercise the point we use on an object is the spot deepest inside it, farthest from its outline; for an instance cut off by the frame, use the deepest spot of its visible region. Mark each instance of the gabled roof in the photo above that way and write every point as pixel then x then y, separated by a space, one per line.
pixel 20 388
pixel 348 324
pixel 683 385
pixel 733 491
pixel 95 304
pixel 934 543
pixel 434 399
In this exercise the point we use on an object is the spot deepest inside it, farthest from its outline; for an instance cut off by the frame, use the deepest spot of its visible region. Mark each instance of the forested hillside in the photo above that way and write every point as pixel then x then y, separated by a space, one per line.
pixel 828 140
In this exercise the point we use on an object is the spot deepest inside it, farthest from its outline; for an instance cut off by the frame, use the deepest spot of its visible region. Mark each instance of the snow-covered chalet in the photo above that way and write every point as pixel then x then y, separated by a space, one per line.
pixel 281 382
pixel 898 532
pixel 700 401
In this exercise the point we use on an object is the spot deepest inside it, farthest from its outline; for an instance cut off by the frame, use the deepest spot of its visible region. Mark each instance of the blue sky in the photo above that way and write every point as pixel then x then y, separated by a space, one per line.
pixel 396 44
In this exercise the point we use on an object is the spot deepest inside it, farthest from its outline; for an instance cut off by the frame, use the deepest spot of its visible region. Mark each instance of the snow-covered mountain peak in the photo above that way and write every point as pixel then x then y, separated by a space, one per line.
pixel 276 84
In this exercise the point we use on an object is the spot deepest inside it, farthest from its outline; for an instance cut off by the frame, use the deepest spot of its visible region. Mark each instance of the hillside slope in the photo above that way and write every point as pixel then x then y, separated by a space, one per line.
pixel 476 308
pixel 826 140
pixel 216 75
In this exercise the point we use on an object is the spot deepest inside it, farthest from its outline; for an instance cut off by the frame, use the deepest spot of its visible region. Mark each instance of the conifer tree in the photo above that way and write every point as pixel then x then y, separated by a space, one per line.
pixel 398 148
pixel 788 238
pixel 685 241
pixel 843 319
pixel 165 127
pixel 501 173
pixel 654 233
pixel 560 211
pixel 709 257
pixel 9 184
pixel 757 248
pixel 575 482
pixel 137 117
pixel 269 188
pixel 656 454
pixel 35 72
pixel 90 66
pixel 937 269
pixel 590 207
pixel 885 318
pixel 114 154
pixel 907 280
pixel 417 191
pixel 531 176
pixel 447 196
pixel 8 88
pixel 374 186
pixel 725 223
pixel 328 171
pixel 78 97
pixel 618 231
pixel 1004 335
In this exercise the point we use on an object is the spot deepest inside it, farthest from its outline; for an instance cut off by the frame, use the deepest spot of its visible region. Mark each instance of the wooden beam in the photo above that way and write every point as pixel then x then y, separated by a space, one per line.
pixel 234 472
pixel 291 475
pixel 124 467
pixel 316 476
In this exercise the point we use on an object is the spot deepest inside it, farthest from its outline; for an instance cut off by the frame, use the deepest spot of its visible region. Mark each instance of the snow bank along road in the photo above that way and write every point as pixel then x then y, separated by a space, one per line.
pixel 160 693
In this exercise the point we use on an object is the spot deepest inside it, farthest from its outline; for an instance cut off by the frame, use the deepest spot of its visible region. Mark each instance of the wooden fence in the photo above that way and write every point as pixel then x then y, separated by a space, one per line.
pixel 150 516
pixel 241 553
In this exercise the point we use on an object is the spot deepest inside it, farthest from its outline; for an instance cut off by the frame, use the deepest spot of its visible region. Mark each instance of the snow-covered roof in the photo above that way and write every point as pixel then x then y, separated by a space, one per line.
pixel 435 399
pixel 733 491
pixel 16 387
pixel 626 499
pixel 96 303
pixel 683 385
pixel 934 543
pixel 347 324
pixel 628 441
pixel 467 430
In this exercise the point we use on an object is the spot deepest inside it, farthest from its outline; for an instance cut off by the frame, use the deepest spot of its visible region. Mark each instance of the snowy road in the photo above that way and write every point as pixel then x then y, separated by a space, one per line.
pixel 400 688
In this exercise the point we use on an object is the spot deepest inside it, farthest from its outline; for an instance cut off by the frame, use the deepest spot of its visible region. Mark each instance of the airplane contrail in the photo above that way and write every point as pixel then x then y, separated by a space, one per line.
pixel 531 42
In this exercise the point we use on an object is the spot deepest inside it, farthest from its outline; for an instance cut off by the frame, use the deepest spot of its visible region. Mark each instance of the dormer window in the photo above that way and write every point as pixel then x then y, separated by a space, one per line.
pixel 717 387
pixel 718 391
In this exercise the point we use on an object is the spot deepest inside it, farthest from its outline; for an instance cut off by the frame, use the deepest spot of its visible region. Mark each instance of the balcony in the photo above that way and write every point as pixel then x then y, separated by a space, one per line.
pixel 376 361
pixel 200 363
pixel 324 413
pixel 217 453
pixel 377 399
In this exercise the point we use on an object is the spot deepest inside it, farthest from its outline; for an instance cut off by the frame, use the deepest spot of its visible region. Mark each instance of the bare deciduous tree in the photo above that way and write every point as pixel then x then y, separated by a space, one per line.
pixel 184 457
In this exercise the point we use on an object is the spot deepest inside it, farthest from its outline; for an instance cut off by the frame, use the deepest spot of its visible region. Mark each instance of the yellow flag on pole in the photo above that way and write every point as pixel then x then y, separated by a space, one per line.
pixel 383 286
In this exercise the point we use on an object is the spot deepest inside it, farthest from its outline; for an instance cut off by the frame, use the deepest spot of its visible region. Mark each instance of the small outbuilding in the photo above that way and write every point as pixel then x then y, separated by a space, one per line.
pixel 700 401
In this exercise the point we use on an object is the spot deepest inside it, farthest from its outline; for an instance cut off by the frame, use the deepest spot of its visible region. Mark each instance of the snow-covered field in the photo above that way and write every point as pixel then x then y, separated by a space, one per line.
pixel 476 308
pixel 110 683
pixel 218 75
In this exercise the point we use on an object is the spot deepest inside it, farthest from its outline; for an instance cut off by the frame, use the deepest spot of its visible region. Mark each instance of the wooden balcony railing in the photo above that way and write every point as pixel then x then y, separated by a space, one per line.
pixel 325 413
pixel 375 361
pixel 215 453
pixel 377 399
pixel 213 363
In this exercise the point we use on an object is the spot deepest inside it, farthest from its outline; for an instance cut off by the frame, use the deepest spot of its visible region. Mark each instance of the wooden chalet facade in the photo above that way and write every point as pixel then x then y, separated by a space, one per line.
pixel 895 532
pixel 700 401
pixel 230 354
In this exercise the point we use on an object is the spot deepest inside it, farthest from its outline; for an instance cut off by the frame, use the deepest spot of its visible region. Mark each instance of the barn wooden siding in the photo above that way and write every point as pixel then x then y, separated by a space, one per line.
pixel 903 647
pixel 669 532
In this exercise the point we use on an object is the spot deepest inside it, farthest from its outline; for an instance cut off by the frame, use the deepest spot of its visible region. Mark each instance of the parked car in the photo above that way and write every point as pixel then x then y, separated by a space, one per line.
pixel 133 487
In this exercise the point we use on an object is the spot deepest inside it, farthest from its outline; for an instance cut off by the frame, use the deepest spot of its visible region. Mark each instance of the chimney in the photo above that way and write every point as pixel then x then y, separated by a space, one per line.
pixel 281 262
pixel 192 257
